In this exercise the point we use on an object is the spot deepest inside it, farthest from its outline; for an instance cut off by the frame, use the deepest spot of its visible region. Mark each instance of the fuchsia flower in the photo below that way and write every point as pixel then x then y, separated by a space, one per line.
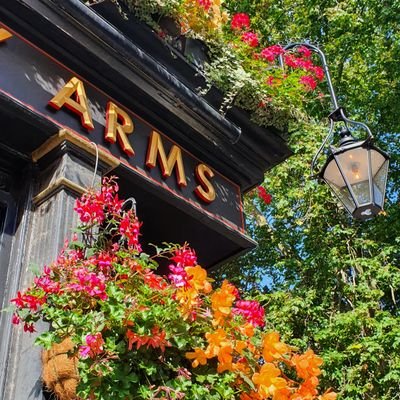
pixel 262 194
pixel 240 21
pixel 250 38
pixel 129 228
pixel 185 256
pixel 15 319
pixel 251 310
pixel 93 347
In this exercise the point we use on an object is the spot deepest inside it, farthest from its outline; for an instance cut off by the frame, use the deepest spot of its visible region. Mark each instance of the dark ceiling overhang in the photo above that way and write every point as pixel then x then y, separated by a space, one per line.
pixel 129 71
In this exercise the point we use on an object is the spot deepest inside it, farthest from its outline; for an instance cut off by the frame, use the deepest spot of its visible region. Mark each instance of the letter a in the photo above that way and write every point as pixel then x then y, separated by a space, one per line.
pixel 78 106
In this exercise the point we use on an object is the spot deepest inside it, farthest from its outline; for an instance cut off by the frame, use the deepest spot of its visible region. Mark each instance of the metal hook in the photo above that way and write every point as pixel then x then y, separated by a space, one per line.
pixel 133 205
pixel 96 164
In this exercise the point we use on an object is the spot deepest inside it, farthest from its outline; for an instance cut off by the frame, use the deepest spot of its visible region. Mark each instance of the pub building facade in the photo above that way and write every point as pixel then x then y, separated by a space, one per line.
pixel 85 93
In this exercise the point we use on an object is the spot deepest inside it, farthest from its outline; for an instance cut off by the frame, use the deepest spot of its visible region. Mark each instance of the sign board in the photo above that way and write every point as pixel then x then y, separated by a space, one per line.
pixel 33 78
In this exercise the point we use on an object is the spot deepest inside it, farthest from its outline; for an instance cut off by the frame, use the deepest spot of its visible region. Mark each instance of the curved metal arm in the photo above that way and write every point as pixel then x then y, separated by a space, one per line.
pixel 324 66
pixel 338 114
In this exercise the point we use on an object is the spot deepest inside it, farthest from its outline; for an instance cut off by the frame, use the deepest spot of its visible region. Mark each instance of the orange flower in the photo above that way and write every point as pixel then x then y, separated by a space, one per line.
pixel 198 278
pixel 328 395
pixel 188 301
pixel 307 390
pixel 268 380
pixel 215 340
pixel 250 396
pixel 240 346
pixel 225 359
pixel 198 357
pixel 247 330
pixel 272 348
pixel 221 302
pixel 307 364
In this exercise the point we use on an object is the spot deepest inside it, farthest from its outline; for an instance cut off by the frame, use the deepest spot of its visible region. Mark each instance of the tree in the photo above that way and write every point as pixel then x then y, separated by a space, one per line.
pixel 327 281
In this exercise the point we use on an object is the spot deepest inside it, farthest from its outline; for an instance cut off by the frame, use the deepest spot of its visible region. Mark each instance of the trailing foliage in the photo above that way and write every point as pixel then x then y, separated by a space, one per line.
pixel 133 334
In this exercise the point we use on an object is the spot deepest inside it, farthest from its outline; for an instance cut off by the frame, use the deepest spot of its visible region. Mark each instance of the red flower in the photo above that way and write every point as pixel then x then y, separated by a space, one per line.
pixel 319 73
pixel 309 82
pixel 269 53
pixel 94 346
pixel 29 328
pixel 240 21
pixel 250 38
pixel 306 52
pixel 262 194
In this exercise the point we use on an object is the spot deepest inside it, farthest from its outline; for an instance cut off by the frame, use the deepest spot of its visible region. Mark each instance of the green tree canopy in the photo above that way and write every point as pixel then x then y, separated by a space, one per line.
pixel 327 281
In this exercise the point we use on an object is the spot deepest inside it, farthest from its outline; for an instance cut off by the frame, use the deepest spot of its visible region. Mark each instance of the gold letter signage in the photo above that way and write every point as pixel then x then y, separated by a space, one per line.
pixel 78 106
pixel 115 129
pixel 167 164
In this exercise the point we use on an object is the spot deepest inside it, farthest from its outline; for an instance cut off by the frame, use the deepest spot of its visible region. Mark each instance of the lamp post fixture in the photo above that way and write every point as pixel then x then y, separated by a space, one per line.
pixel 356 171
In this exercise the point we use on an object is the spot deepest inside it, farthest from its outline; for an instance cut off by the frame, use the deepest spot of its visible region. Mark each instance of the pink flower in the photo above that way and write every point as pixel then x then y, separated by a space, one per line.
pixel 251 310
pixel 48 285
pixel 240 21
pixel 309 82
pixel 179 276
pixel 250 38
pixel 262 194
pixel 93 347
pixel 89 282
pixel 269 53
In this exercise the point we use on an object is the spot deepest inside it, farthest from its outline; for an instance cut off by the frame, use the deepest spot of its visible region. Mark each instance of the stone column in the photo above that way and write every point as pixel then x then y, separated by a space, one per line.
pixel 65 168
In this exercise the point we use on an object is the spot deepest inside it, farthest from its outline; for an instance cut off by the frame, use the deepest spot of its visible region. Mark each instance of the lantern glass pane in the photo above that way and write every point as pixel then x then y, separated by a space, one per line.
pixel 334 179
pixel 380 182
pixel 355 166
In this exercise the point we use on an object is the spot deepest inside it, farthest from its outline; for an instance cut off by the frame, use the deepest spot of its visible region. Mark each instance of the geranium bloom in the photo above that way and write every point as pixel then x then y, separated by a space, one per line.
pixel 262 194
pixel 240 21
pixel 309 82
pixel 155 340
pixel 319 72
pixel 271 52
pixel 250 38
pixel 251 310
pixel 304 51
pixel 93 347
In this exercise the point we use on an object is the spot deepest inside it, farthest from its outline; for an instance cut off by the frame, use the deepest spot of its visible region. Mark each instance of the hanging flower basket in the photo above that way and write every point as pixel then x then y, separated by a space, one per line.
pixel 119 331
